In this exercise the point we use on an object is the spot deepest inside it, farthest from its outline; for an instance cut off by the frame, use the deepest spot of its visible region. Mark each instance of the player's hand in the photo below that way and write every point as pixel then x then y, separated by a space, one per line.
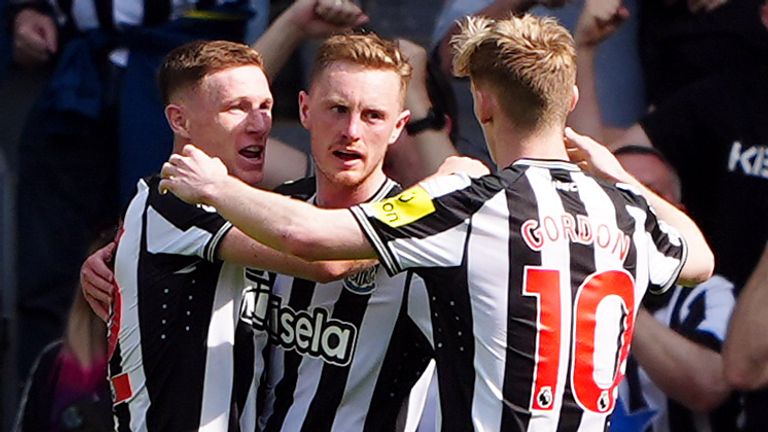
pixel 598 20
pixel 96 279
pixel 35 38
pixel 462 164
pixel 192 175
pixel 594 157
pixel 320 18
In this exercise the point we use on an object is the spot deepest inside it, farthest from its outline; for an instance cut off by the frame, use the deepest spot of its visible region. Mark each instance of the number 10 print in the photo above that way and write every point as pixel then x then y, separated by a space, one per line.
pixel 544 284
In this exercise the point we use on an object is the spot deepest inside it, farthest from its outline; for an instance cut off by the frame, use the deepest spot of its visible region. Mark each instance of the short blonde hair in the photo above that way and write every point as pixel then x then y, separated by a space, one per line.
pixel 529 62
pixel 367 50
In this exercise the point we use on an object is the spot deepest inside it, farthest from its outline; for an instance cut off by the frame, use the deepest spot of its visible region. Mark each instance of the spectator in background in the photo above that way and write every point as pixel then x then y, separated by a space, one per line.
pixel 598 20
pixel 67 388
pixel 683 41
pixel 675 379
pixel 99 117
pixel 746 350
pixel 721 120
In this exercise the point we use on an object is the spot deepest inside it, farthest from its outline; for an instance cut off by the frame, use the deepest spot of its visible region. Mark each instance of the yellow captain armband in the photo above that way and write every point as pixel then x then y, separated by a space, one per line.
pixel 411 205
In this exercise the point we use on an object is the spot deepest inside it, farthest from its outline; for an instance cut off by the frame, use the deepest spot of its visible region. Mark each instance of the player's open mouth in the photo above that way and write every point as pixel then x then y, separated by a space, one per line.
pixel 252 152
pixel 347 156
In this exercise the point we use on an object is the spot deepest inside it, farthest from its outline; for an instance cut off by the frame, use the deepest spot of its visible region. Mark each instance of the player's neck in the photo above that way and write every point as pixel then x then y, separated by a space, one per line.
pixel 511 144
pixel 334 195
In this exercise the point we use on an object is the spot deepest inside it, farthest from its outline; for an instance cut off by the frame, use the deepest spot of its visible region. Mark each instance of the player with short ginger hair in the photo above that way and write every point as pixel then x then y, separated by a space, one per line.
pixel 527 338
pixel 346 354
pixel 367 50
pixel 188 67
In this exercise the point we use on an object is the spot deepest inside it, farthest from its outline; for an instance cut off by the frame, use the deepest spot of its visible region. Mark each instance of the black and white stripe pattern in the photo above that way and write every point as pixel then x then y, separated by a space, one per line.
pixel 346 354
pixel 539 241
pixel 178 308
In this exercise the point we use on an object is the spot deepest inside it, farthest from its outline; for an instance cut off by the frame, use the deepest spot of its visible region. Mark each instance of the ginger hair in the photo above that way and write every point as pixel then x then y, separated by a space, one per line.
pixel 186 66
pixel 366 50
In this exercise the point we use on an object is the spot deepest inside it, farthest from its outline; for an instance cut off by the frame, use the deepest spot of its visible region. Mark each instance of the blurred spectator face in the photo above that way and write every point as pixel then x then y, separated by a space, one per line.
pixel 654 174
pixel 353 113
pixel 230 116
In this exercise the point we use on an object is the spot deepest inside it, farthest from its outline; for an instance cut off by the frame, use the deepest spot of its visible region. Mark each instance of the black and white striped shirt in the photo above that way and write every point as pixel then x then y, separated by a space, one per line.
pixel 534 275
pixel 173 328
pixel 346 353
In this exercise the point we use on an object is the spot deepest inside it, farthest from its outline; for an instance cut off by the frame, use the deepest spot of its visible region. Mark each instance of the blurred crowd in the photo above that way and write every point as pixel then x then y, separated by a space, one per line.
pixel 678 89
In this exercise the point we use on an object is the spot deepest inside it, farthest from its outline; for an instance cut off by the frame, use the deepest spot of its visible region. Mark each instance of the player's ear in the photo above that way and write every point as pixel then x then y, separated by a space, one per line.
pixel 483 104
pixel 574 98
pixel 177 120
pixel 402 120
pixel 304 109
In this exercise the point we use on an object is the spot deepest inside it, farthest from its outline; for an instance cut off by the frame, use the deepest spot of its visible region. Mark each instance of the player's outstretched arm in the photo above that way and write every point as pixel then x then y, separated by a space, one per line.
pixel 276 221
pixel 745 351
pixel 595 158
pixel 96 280
pixel 237 247
pixel 96 276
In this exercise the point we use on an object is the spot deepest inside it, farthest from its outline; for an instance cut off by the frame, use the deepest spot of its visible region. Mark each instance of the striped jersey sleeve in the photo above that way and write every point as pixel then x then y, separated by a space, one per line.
pixel 175 227
pixel 667 249
pixel 425 225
